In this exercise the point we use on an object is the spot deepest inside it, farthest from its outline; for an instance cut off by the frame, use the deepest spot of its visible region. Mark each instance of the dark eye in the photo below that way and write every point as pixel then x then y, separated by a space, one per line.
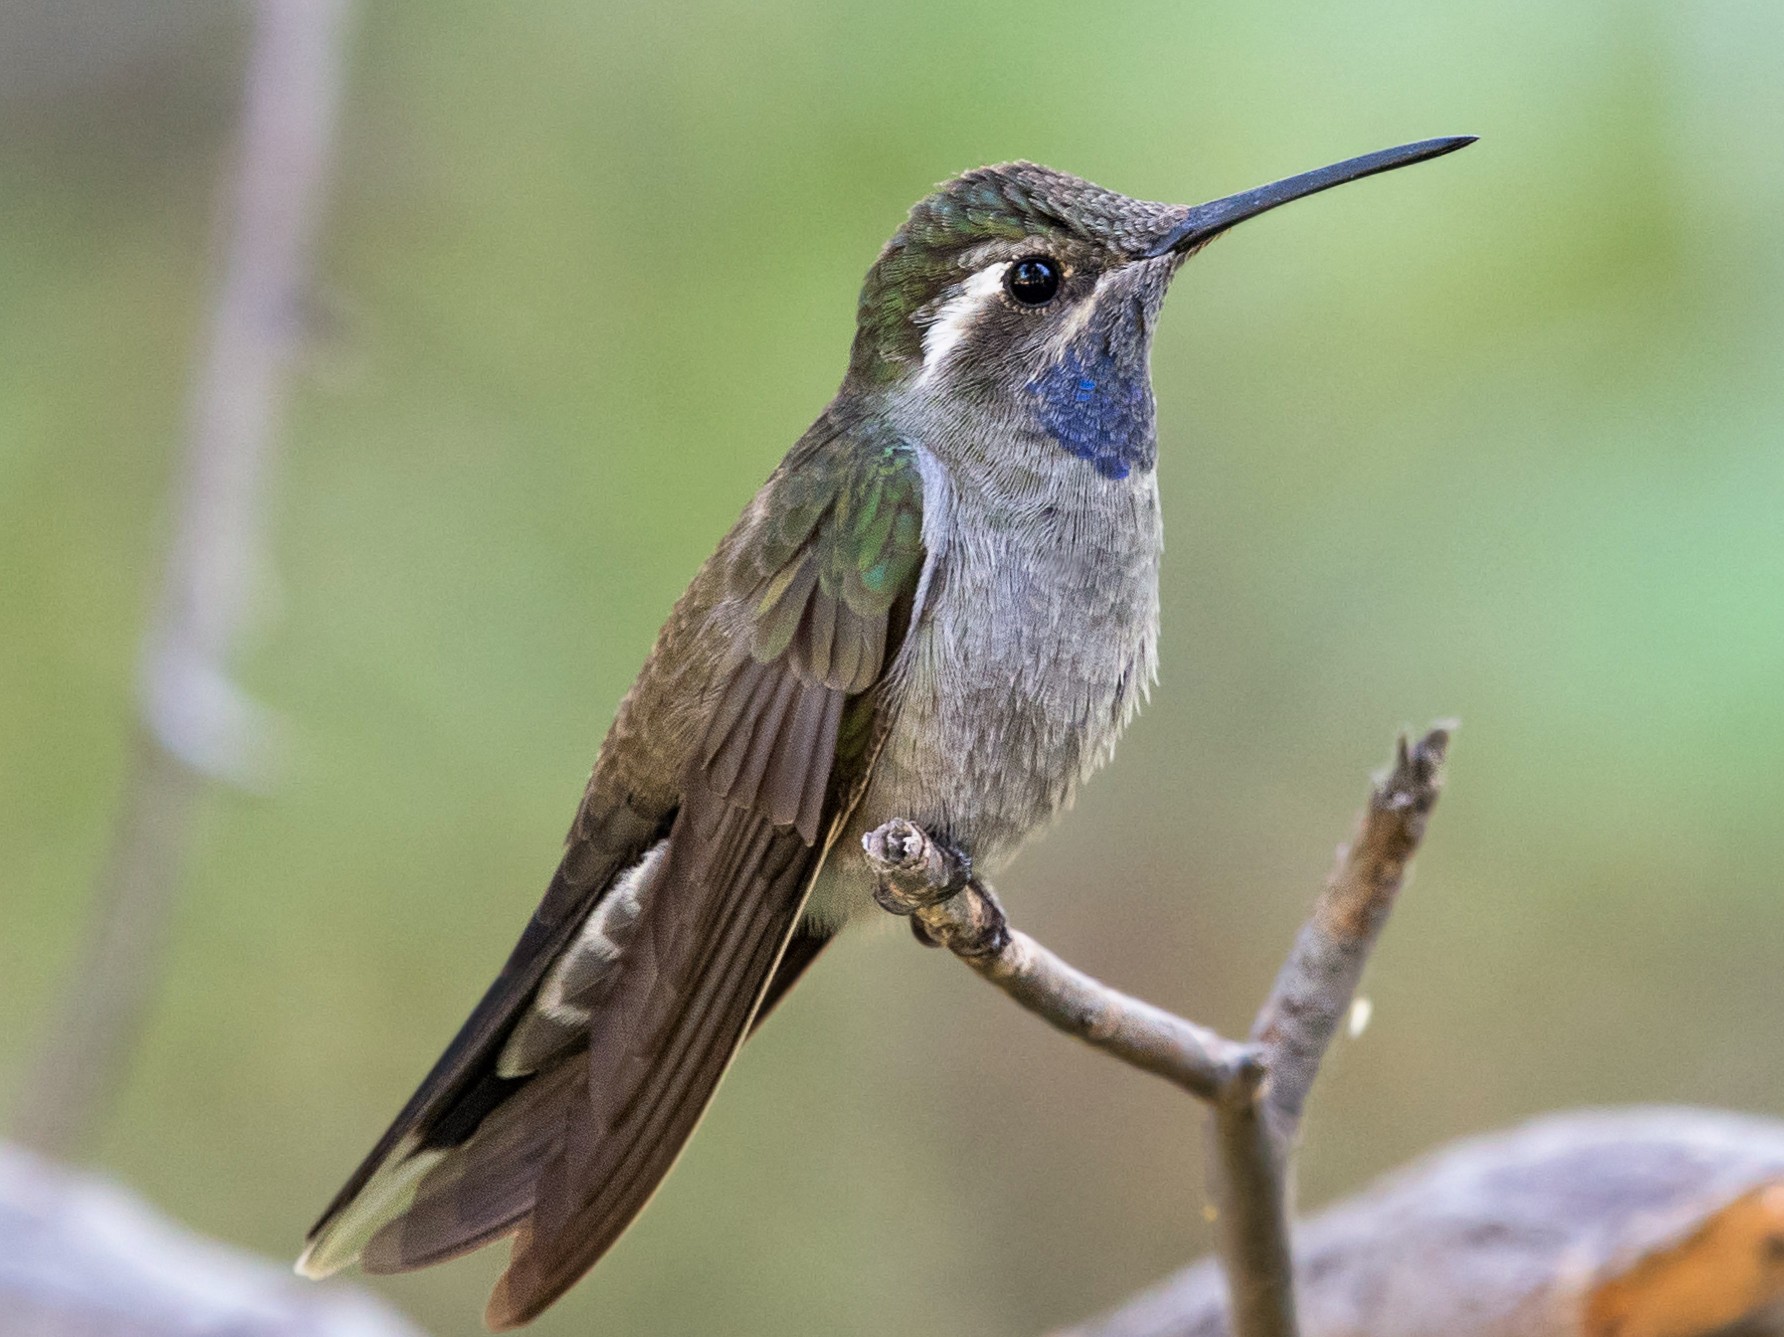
pixel 1033 281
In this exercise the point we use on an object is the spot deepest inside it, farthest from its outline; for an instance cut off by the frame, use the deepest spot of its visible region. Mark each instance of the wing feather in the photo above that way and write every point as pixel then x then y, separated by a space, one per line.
pixel 649 1085
pixel 571 1090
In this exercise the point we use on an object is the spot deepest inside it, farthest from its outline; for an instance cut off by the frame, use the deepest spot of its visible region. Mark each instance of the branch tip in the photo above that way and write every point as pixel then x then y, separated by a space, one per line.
pixel 1416 777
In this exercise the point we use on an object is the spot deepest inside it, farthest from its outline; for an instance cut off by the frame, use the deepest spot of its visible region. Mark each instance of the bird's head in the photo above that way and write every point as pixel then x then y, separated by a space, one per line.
pixel 1020 288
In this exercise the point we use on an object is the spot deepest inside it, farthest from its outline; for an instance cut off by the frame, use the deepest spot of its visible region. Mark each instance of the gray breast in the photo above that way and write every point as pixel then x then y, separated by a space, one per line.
pixel 1036 643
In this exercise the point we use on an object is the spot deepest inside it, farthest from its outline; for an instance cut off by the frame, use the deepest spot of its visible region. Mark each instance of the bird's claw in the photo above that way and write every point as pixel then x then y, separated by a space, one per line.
pixel 912 869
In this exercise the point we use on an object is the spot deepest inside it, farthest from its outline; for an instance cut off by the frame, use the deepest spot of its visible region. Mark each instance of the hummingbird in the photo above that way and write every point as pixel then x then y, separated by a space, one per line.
pixel 942 606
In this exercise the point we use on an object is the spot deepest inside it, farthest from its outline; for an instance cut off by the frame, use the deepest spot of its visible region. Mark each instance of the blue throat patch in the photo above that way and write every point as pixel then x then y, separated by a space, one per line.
pixel 1098 409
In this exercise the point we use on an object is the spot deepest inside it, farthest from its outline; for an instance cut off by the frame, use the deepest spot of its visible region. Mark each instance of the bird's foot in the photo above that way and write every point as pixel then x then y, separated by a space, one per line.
pixel 922 935
pixel 913 869
pixel 932 882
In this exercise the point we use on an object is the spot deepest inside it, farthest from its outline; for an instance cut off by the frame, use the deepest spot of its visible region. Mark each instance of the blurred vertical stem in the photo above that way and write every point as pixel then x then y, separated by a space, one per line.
pixel 195 724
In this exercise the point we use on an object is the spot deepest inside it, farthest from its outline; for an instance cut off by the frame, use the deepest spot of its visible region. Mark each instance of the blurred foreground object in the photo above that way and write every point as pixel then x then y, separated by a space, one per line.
pixel 195 723
pixel 81 1257
pixel 1661 1222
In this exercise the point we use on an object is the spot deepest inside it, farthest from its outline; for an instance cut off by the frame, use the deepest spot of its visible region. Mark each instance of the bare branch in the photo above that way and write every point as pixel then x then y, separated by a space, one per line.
pixel 1256 1092
pixel 196 723
pixel 922 878
pixel 1314 989
pixel 1254 1139
pixel 1248 1176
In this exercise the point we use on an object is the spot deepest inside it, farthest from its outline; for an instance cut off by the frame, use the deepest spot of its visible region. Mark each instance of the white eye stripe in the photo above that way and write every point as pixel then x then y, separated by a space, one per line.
pixel 956 315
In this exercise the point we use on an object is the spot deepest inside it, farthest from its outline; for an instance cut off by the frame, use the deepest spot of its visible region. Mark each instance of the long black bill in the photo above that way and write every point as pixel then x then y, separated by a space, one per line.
pixel 1207 221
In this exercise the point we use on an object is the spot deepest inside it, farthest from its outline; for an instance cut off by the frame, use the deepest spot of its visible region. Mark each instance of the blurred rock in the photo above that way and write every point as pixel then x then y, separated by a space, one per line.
pixel 82 1257
pixel 1654 1222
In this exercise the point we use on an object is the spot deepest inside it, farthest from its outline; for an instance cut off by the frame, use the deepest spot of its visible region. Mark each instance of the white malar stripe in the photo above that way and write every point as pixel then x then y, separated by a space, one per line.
pixel 956 316
pixel 1067 332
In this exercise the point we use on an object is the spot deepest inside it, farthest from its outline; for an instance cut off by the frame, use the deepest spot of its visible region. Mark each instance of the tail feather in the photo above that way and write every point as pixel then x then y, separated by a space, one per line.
pixel 481 1191
pixel 386 1194
pixel 568 1153
pixel 611 834
pixel 571 1091
pixel 661 1050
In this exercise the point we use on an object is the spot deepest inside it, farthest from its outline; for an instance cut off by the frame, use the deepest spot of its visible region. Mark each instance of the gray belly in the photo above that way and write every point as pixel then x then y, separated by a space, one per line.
pixel 1030 658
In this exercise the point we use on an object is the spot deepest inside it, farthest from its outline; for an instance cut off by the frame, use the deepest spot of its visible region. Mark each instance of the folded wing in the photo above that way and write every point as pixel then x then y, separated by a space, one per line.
pixel 570 1092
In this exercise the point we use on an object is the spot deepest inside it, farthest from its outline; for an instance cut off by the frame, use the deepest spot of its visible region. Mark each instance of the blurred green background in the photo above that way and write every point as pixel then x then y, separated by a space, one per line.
pixel 1498 437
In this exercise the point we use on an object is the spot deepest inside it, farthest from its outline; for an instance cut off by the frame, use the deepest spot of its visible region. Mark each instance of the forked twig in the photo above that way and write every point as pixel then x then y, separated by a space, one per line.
pixel 1256 1092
